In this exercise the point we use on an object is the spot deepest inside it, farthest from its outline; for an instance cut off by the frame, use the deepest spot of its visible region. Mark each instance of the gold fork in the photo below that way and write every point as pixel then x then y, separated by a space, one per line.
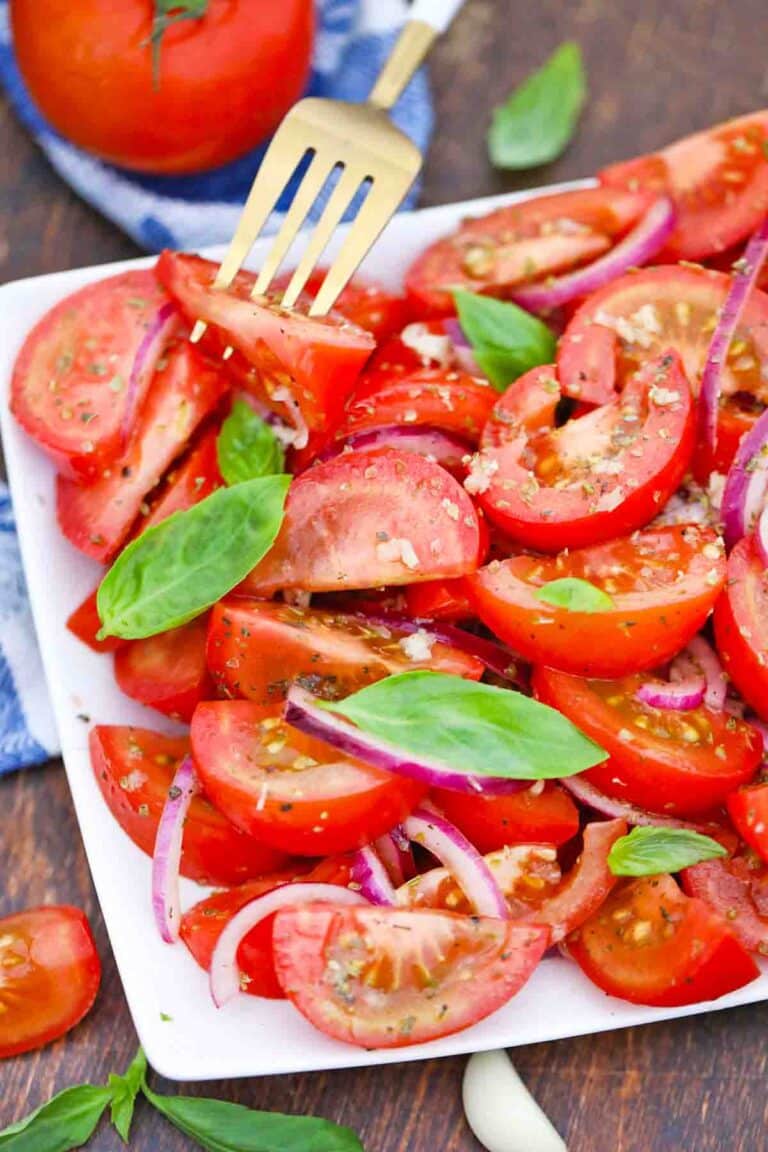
pixel 357 142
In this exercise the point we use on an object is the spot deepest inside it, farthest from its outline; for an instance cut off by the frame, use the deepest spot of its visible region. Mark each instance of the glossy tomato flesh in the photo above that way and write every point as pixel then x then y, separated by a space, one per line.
pixel 737 890
pixel 167 672
pixel 84 623
pixel 491 822
pixel 193 478
pixel 741 625
pixel 748 809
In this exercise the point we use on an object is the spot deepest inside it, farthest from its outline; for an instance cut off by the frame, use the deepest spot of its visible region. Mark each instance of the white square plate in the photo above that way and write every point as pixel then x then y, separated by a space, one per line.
pixel 249 1037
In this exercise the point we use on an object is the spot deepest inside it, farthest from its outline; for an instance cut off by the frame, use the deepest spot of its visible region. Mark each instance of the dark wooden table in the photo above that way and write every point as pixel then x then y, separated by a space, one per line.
pixel 657 69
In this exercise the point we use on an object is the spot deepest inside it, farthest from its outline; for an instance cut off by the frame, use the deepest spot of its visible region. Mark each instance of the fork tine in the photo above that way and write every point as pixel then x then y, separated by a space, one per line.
pixel 338 202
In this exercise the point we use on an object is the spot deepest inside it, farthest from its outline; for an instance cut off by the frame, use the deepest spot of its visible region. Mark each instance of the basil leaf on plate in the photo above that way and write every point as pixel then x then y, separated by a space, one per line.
pixel 180 567
pixel 246 446
pixel 474 728
pixel 68 1120
pixel 574 594
pixel 647 851
pixel 506 340
pixel 124 1091
pixel 223 1127
pixel 538 120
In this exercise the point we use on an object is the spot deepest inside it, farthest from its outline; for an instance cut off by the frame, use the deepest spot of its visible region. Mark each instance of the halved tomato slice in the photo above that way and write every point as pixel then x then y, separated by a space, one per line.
pixel 651 944
pixel 439 600
pixel 134 769
pixel 675 763
pixel 718 180
pixel 520 243
pixel 257 649
pixel 595 477
pixel 741 625
pixel 97 518
pixel 168 671
pixel 365 519
pixel 386 977
pixel 548 816
pixel 84 623
pixel 737 890
pixel 663 583
pixel 190 481
pixel 291 790
pixel 79 379
pixel 748 809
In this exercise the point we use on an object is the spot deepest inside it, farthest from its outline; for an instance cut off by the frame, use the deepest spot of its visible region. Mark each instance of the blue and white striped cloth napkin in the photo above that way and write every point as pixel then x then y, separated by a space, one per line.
pixel 353 39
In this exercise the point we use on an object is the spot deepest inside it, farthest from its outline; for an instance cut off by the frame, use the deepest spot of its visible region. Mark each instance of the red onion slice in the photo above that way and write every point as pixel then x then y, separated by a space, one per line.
pixel 593 798
pixel 640 245
pixel 680 695
pixel 371 877
pixel 301 712
pixel 166 321
pixel 469 869
pixel 746 484
pixel 166 857
pixel 699 656
pixel 395 853
pixel 449 451
pixel 744 278
pixel 225 973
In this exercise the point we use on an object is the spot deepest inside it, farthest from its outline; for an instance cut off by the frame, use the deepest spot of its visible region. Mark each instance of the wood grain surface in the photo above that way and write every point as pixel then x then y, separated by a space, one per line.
pixel 657 69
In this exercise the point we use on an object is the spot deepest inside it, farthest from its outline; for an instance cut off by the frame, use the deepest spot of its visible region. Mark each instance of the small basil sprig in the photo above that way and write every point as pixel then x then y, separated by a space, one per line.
pixel 648 851
pixel 246 446
pixel 180 567
pixel 575 595
pixel 67 1121
pixel 124 1090
pixel 476 729
pixel 506 340
pixel 538 120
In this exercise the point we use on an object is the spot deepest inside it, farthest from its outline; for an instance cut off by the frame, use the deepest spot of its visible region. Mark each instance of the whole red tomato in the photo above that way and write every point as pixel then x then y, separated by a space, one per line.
pixel 224 79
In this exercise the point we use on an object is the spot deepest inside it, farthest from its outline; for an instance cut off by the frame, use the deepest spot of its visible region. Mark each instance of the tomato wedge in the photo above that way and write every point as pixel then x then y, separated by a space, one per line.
pixel 50 976
pixel 168 671
pixel 526 873
pixel 134 768
pixel 84 369
pixel 84 623
pixel 520 243
pixel 736 889
pixel 190 481
pixel 365 303
pixel 663 583
pixel 741 625
pixel 748 809
pixel 678 763
pixel 595 477
pixel 291 790
pixel 651 944
pixel 307 367
pixel 387 978
pixel 529 817
pixel 439 600
pixel 718 180
pixel 98 518
pixel 365 519
pixel 257 649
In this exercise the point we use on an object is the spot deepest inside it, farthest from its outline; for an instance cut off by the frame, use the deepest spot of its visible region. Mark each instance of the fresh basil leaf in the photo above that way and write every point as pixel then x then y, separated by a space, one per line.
pixel 180 567
pixel 67 1121
pixel 506 340
pixel 124 1091
pixel 574 594
pixel 247 447
pixel 222 1127
pixel 539 118
pixel 647 851
pixel 474 728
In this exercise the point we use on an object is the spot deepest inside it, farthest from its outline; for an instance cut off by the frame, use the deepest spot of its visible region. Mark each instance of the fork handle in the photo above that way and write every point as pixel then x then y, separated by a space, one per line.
pixel 428 19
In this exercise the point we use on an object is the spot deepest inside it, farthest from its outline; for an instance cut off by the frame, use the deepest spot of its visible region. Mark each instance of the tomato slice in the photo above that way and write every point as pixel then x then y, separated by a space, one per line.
pixel 663 583
pixel 595 477
pixel 718 180
pixel 257 649
pixel 134 768
pixel 529 817
pixel 188 482
pixel 74 387
pixel 97 518
pixel 306 366
pixel 50 976
pixel 291 790
pixel 651 944
pixel 748 809
pixel 387 978
pixel 678 763
pixel 84 623
pixel 365 519
pixel 168 671
pixel 741 625
pixel 439 600
pixel 526 874
pixel 520 243
pixel 736 890
pixel 364 302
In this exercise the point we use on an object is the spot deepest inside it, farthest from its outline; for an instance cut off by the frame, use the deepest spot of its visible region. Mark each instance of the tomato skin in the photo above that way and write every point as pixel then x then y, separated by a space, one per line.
pixel 734 420
pixel 741 625
pixel 134 768
pixel 663 583
pixel 168 671
pixel 84 623
pixel 491 822
pixel 189 482
pixel 474 964
pixel 112 105
pixel 51 975
pixel 676 773
pixel 439 600
pixel 729 887
pixel 290 790
pixel 748 809
pixel 60 390
pixel 651 944
pixel 257 649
